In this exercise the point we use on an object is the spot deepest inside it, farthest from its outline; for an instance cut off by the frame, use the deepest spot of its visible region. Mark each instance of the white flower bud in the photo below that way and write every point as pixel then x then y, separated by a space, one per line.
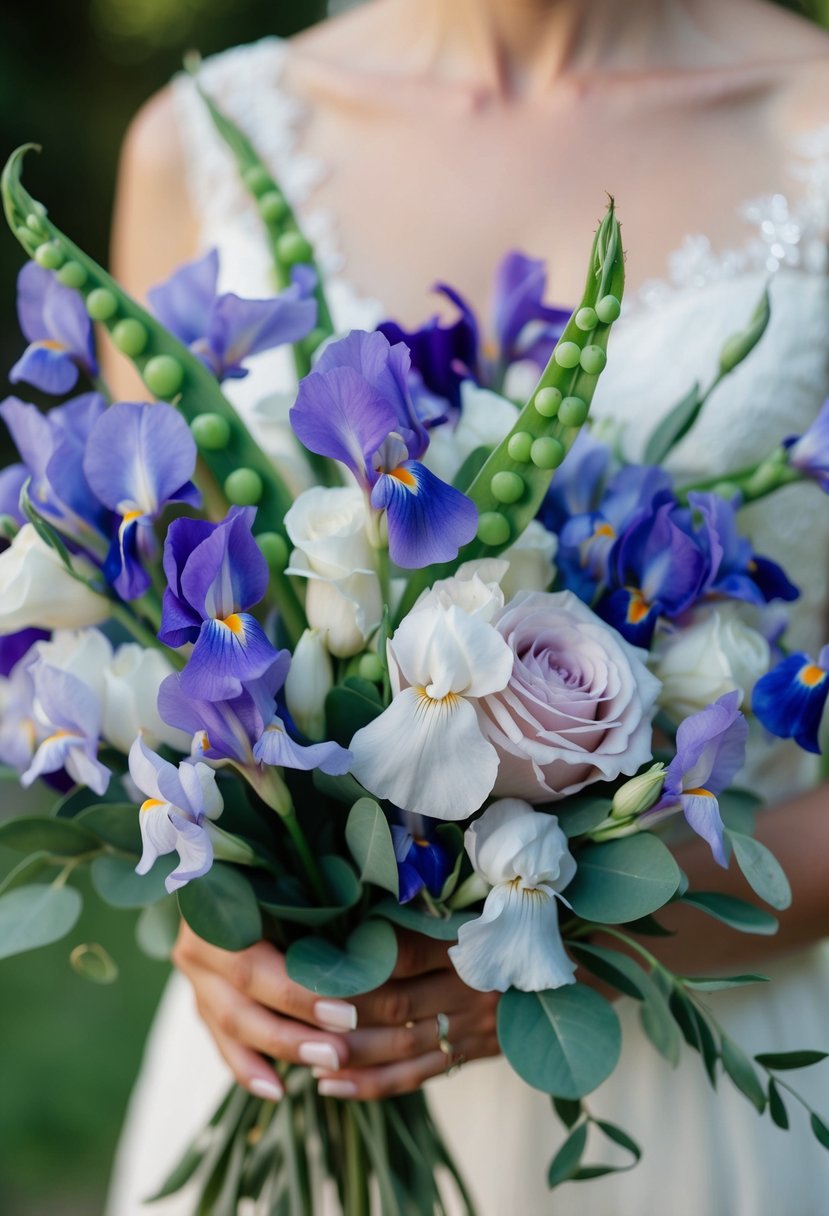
pixel 37 591
pixel 638 794
pixel 309 681
pixel 131 682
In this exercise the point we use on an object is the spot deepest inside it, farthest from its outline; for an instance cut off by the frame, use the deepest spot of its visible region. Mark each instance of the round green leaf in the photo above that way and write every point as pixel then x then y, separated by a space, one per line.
pixel 116 823
pixel 93 962
pixel 368 836
pixel 564 1042
pixel 157 928
pixel 286 898
pixel 115 880
pixel 624 879
pixel 32 833
pixel 581 814
pixel 366 962
pixel 36 916
pixel 734 912
pixel 222 908
pixel 761 870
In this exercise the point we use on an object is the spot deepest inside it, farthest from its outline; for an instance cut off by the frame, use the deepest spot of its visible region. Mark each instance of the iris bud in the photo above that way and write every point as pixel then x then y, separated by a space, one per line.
pixel 519 446
pixel 639 794
pixel 244 487
pixel 163 375
pixel 507 487
pixel 211 432
pixel 547 453
pixel 573 411
pixel 567 354
pixel 493 528
pixel 608 309
pixel 72 274
pixel 547 400
pixel 101 304
pixel 310 679
pixel 130 336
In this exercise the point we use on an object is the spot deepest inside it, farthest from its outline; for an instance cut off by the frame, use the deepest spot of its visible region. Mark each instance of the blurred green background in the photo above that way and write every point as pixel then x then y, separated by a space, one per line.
pixel 71 77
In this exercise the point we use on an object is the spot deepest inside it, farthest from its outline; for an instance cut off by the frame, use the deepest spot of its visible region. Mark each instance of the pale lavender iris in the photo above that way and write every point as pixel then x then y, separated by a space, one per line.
pixel 172 818
pixel 247 729
pixel 138 458
pixel 215 573
pixel 74 716
pixel 810 452
pixel 356 407
pixel 12 480
pixel 710 751
pixel 58 330
pixel 223 329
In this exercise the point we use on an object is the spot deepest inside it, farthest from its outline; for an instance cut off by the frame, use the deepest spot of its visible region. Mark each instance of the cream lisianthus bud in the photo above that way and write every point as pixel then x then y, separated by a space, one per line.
pixel 638 794
pixel 37 591
pixel 131 683
pixel 309 681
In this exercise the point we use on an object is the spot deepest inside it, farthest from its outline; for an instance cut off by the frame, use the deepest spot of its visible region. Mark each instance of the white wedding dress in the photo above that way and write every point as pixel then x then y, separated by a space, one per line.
pixel 705 1155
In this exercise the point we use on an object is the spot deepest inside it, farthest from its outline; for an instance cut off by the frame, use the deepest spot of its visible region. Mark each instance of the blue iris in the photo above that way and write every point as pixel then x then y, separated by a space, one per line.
pixel 790 699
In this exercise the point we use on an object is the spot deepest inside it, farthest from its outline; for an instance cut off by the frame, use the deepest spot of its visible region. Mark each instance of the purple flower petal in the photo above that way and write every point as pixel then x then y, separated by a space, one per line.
pixel 138 455
pixel 46 368
pixel 226 573
pixel 810 453
pixel 67 322
pixel 702 813
pixel 520 283
pixel 13 646
pixel 183 303
pixel 241 328
pixel 33 282
pixel 338 414
pixel 276 747
pixel 195 851
pixel 226 653
pixel 790 699
pixel 428 520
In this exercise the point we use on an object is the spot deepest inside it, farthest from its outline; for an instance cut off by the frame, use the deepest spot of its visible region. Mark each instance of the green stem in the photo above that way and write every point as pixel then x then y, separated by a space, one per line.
pixel 356 1181
pixel 309 861
pixel 142 633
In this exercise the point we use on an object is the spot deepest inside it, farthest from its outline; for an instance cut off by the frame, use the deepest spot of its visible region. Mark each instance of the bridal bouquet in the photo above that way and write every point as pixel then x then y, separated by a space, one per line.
pixel 465 682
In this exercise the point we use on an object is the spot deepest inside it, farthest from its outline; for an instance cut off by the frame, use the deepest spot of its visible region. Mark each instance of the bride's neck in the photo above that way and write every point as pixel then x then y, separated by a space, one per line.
pixel 522 45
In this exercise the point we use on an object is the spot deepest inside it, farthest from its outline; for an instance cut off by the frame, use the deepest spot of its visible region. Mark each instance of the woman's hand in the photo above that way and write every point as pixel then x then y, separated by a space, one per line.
pixel 385 1043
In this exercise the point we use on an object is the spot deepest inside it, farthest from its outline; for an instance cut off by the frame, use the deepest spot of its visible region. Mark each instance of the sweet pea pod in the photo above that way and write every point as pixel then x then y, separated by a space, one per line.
pixel 510 487
pixel 169 370
pixel 289 247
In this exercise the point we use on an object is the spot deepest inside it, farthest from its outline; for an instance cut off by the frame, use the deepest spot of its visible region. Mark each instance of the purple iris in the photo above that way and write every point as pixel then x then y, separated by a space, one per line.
pixel 138 458
pixel 20 733
pixel 522 325
pixel 247 729
pixel 579 485
pixel 356 407
pixel 710 751
pixel 421 862
pixel 58 330
pixel 12 480
pixel 790 699
pixel 13 647
pixel 810 452
pixel 740 573
pixel 224 330
pixel 74 715
pixel 52 447
pixel 215 573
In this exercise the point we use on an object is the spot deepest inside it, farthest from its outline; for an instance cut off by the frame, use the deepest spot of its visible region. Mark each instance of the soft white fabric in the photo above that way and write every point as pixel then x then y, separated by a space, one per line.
pixel 704 1156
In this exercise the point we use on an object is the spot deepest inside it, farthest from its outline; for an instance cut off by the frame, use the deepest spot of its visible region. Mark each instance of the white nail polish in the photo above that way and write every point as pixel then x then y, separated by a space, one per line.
pixel 272 1091
pixel 336 1015
pixel 337 1089
pixel 319 1053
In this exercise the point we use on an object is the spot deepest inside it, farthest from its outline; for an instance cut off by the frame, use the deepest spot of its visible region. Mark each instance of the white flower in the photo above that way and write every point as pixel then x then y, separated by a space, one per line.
pixel 310 679
pixel 37 591
pixel 531 565
pixel 84 653
pixel 274 434
pixel 426 752
pixel 485 418
pixel 714 655
pixel 131 683
pixel 475 588
pixel 327 527
pixel 516 942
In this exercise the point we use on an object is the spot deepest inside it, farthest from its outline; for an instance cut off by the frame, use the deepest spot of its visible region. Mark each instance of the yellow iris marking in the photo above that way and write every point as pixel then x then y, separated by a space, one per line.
pixel 700 793
pixel 131 515
pixel 604 530
pixel 637 608
pixel 58 734
pixel 234 623
pixel 50 344
pixel 811 675
pixel 151 804
pixel 403 475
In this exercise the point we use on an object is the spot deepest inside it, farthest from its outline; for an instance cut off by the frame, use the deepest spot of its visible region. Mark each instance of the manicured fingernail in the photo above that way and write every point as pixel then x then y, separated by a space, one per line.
pixel 336 1015
pixel 272 1091
pixel 319 1053
pixel 337 1089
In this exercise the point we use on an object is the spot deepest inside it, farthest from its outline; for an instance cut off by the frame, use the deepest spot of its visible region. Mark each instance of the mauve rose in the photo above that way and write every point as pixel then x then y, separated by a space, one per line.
pixel 578 705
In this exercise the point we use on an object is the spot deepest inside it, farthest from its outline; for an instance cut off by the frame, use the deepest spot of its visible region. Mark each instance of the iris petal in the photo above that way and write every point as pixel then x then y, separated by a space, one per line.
pixel 278 748
pixel 224 655
pixel 428 520
pixel 50 370
pixel 790 700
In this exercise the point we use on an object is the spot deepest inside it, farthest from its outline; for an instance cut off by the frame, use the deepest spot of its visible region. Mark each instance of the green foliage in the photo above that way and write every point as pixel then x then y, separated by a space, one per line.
pixel 565 1041
pixel 777 1107
pixel 736 913
pixel 761 870
pixel 115 823
pixel 36 916
pixel 442 928
pixel 350 706
pixel 784 1060
pixel 157 927
pixel 366 961
pixel 581 813
pixel 286 899
pixel 622 880
pixel 32 833
pixel 115 880
pixel 741 1071
pixel 222 908
pixel 369 839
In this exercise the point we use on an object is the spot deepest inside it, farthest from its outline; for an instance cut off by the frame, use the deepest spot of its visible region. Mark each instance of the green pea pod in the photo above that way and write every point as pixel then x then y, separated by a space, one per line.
pixel 169 369
pixel 510 487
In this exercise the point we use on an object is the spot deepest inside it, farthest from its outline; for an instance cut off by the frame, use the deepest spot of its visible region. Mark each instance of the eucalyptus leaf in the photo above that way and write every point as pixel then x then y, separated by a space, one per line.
pixel 444 929
pixel 676 423
pixel 737 913
pixel 581 814
pixel 568 1110
pixel 741 1071
pixel 157 928
pixel 286 900
pixel 222 908
pixel 777 1107
pixel 696 1031
pixel 116 823
pixel 348 709
pixel 94 963
pixel 26 870
pixel 36 916
pixel 738 810
pixel 565 1041
pixel 762 871
pixel 366 962
pixel 368 836
pixel 34 833
pixel 784 1060
pixel 568 1158
pixel 115 880
pixel 623 880
pixel 821 1131
pixel 619 1136
pixel 719 983
pixel 345 789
